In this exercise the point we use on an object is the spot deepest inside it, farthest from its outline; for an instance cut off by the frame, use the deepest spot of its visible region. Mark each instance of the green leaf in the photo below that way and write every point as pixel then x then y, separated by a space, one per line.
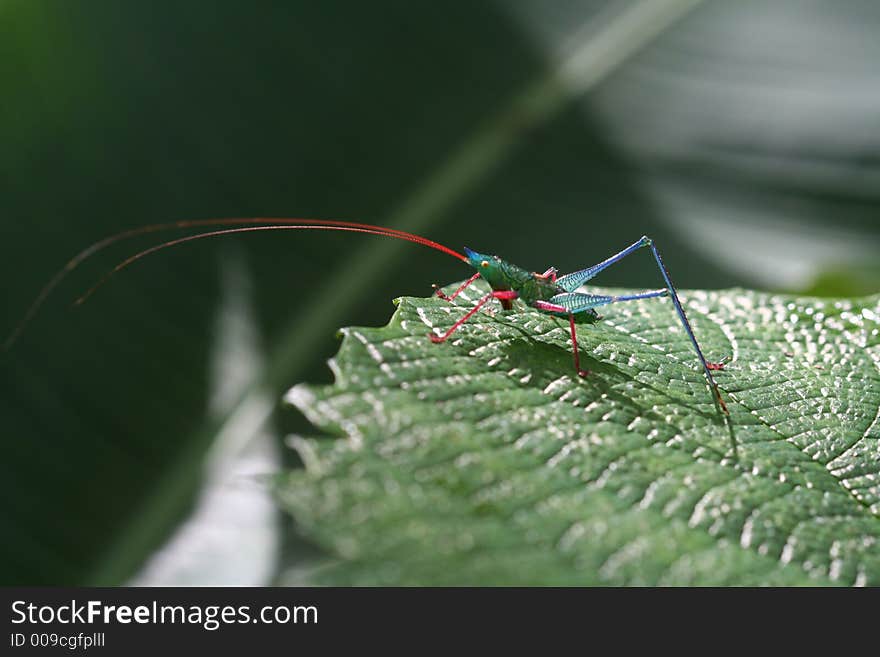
pixel 485 461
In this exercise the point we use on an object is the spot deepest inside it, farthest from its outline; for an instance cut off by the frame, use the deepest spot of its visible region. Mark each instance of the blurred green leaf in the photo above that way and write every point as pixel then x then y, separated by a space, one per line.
pixel 754 128
pixel 845 281
pixel 485 461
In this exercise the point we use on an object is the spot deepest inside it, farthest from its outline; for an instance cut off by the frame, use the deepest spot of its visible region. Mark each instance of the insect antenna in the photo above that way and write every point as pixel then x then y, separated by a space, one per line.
pixel 261 224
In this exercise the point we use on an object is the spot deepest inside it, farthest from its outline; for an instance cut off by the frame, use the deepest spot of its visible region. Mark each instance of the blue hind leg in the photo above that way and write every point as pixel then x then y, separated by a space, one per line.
pixel 572 303
pixel 574 280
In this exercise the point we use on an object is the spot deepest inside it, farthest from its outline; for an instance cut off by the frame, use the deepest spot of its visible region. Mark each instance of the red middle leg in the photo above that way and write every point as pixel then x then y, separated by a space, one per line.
pixel 574 346
pixel 550 274
pixel 553 308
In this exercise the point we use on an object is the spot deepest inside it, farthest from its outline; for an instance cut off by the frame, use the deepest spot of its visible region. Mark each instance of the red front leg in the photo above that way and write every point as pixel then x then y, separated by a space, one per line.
pixel 501 295
pixel 440 293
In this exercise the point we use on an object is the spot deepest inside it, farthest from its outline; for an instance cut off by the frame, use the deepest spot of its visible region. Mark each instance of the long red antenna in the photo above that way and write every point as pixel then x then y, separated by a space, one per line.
pixel 265 224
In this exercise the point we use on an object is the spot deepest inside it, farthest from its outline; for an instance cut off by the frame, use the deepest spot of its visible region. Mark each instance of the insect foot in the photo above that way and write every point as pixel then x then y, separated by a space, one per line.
pixel 440 293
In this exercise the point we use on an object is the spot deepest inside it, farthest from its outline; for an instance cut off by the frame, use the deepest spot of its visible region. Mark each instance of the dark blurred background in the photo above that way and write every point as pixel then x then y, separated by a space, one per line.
pixel 138 430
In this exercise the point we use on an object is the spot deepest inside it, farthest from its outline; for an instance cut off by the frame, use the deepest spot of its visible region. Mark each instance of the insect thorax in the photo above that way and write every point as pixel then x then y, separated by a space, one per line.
pixel 531 286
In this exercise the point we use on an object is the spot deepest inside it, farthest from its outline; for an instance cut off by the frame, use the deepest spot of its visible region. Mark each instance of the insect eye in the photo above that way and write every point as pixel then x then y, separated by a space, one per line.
pixel 485 263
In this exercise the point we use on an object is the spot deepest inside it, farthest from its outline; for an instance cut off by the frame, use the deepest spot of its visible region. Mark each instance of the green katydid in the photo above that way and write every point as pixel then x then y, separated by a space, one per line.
pixel 547 292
